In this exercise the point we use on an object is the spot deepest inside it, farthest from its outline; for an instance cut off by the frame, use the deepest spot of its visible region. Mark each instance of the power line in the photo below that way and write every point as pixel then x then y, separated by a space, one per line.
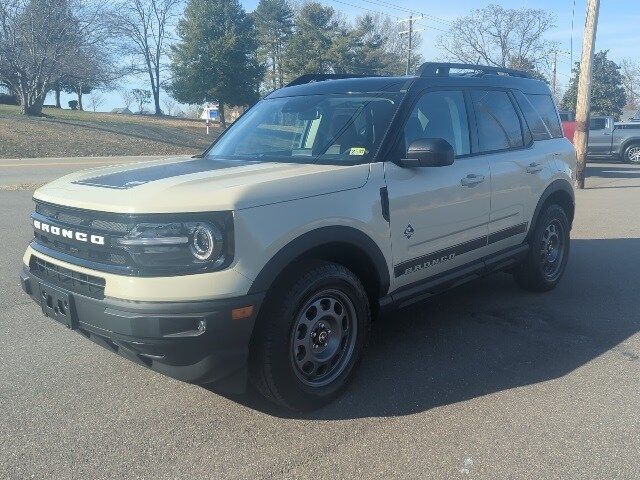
pixel 363 8
pixel 384 3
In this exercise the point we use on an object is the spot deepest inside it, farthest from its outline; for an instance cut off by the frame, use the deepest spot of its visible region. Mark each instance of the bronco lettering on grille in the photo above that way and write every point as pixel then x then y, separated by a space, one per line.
pixel 66 233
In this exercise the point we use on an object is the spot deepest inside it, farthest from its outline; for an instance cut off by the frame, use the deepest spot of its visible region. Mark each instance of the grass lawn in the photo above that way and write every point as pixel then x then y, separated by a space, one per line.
pixel 68 133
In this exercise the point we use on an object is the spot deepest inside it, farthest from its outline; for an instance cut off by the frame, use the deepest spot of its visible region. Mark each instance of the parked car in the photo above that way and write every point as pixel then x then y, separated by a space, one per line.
pixel 330 200
pixel 608 139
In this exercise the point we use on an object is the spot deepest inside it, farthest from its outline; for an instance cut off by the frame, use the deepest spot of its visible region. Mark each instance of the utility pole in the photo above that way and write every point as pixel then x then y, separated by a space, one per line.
pixel 410 42
pixel 410 32
pixel 584 89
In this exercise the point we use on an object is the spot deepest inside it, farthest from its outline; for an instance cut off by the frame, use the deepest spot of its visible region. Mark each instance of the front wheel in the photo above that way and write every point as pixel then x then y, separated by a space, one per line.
pixel 549 252
pixel 632 154
pixel 310 336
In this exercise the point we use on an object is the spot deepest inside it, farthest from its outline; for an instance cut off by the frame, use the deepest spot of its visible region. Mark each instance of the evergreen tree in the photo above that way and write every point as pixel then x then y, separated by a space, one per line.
pixel 607 91
pixel 377 46
pixel 309 49
pixel 215 58
pixel 274 26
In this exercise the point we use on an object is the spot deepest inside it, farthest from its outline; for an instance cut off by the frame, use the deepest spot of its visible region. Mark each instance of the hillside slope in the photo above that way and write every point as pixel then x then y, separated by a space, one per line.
pixel 67 133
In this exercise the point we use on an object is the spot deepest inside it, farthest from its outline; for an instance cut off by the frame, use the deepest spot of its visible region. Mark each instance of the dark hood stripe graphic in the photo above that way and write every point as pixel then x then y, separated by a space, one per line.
pixel 139 176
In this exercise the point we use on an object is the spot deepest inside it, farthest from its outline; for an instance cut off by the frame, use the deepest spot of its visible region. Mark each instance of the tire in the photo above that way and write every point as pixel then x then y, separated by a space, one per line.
pixel 547 259
pixel 310 336
pixel 632 154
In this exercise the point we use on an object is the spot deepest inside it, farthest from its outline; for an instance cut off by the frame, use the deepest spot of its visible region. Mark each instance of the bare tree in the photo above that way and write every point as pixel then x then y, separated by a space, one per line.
pixel 37 38
pixel 169 104
pixel 144 27
pixel 630 70
pixel 96 100
pixel 127 99
pixel 42 41
pixel 141 97
pixel 495 35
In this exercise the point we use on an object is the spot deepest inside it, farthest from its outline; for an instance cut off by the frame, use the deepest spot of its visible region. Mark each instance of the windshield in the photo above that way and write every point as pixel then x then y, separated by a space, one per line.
pixel 345 128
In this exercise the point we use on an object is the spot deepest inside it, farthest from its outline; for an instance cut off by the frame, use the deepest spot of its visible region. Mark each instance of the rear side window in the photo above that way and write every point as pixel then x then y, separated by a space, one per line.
pixel 541 109
pixel 498 123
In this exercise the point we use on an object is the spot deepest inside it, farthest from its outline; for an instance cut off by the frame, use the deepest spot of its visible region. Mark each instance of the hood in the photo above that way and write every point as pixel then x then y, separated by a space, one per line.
pixel 197 185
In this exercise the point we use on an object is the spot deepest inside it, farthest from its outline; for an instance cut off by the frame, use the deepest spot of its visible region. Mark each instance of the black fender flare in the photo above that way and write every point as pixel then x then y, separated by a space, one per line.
pixel 317 238
pixel 560 184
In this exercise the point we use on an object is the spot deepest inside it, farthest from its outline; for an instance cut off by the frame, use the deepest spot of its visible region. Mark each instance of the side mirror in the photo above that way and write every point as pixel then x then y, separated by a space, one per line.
pixel 428 152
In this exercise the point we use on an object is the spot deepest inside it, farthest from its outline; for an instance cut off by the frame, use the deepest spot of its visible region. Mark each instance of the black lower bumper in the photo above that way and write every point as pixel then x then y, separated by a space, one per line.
pixel 196 342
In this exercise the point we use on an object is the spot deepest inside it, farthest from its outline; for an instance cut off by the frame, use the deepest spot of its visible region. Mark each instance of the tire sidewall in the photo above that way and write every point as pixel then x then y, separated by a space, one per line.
pixel 298 394
pixel 553 212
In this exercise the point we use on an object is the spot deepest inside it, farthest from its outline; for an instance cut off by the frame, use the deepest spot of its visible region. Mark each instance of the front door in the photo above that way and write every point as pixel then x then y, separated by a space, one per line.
pixel 599 136
pixel 439 215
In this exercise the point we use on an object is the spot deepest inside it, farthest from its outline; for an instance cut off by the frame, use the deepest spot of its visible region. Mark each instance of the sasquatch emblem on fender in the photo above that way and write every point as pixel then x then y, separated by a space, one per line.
pixel 408 231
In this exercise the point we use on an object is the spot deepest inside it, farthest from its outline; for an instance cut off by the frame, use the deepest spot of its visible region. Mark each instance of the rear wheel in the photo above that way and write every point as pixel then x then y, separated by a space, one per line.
pixel 547 258
pixel 310 336
pixel 632 154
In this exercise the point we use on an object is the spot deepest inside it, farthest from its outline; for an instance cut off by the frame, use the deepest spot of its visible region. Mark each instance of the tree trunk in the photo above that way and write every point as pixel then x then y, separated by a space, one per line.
pixel 274 75
pixel 223 121
pixel 29 105
pixel 79 93
pixel 57 90
pixel 156 101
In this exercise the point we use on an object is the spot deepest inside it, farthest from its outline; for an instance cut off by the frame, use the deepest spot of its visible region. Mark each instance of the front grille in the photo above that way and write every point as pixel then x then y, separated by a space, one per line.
pixel 109 225
pixel 70 280
pixel 86 253
pixel 78 218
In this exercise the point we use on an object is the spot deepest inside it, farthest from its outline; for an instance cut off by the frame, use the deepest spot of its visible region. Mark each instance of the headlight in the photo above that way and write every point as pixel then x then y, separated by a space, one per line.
pixel 181 247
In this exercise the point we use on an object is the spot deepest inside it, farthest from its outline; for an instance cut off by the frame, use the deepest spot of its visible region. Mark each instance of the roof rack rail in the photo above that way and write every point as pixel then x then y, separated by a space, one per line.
pixel 319 77
pixel 436 69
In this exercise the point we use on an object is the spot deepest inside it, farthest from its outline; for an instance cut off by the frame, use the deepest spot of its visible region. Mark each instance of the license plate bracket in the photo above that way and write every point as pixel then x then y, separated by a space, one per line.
pixel 58 305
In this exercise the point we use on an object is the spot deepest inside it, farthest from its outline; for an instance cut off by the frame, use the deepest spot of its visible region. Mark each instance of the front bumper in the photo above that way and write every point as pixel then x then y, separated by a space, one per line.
pixel 196 341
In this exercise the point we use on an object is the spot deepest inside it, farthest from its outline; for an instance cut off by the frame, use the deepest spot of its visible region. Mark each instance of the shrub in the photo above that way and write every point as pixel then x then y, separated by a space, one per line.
pixel 73 104
pixel 8 99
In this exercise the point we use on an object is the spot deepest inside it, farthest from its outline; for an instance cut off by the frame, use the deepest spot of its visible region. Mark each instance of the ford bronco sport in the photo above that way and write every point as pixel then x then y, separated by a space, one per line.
pixel 333 198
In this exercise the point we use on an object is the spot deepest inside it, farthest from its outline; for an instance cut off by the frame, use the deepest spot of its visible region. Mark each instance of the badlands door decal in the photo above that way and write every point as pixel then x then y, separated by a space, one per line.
pixel 446 254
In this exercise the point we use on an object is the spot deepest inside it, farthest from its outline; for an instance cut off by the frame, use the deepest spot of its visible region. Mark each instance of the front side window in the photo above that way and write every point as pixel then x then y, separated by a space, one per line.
pixel 498 123
pixel 597 123
pixel 439 114
pixel 332 128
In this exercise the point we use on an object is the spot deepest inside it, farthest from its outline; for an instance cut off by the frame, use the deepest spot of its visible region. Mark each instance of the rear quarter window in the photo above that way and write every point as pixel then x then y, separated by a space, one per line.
pixel 541 115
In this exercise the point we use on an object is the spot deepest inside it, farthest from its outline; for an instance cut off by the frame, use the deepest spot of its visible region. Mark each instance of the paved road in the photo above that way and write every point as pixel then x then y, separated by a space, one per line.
pixel 30 172
pixel 484 382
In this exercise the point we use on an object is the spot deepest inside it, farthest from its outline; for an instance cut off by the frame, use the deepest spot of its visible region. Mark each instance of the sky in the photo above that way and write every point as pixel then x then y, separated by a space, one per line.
pixel 617 28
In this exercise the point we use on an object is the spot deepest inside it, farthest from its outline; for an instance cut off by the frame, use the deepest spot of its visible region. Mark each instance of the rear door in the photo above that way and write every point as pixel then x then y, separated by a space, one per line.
pixel 519 167
pixel 438 215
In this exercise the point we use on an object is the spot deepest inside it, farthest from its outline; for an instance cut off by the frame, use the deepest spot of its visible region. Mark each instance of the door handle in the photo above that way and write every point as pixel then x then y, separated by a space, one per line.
pixel 471 180
pixel 534 167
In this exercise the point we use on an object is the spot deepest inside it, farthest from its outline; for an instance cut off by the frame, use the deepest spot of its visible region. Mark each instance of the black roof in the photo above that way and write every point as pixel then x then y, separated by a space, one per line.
pixel 430 74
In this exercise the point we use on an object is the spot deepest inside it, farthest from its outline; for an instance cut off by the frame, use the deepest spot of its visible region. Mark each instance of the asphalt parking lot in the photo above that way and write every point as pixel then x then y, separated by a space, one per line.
pixel 483 382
